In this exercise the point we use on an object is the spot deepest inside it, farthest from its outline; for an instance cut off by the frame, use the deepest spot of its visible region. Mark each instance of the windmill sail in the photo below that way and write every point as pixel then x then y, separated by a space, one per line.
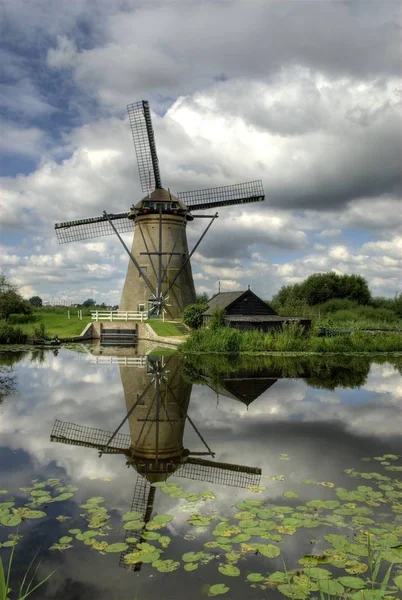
pixel 86 229
pixel 226 195
pixel 144 143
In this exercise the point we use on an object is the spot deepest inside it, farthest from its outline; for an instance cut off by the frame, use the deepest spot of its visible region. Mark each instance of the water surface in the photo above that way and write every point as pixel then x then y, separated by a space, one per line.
pixel 216 426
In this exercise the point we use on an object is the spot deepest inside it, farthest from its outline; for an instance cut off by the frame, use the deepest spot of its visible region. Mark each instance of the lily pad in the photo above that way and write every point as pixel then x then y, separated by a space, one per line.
pixel 354 583
pixel 165 566
pixel 10 520
pixel 229 570
pixel 190 566
pixel 218 589
pixel 118 547
pixel 131 516
pixel 269 550
pixel 255 577
pixel 65 539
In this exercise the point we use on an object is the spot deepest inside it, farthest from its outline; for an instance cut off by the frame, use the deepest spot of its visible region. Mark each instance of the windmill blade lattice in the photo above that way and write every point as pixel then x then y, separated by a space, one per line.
pixel 144 143
pixel 226 195
pixel 221 473
pixel 85 229
pixel 90 437
pixel 143 503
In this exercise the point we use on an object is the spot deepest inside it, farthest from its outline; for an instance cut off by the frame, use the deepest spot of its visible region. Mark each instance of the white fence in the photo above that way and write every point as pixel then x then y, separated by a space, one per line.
pixel 126 361
pixel 117 315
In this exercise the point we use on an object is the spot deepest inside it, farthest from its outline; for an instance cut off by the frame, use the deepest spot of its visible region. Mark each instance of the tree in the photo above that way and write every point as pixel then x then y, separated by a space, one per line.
pixel 321 287
pixel 11 302
pixel 192 315
pixel 88 303
pixel 202 298
pixel 35 301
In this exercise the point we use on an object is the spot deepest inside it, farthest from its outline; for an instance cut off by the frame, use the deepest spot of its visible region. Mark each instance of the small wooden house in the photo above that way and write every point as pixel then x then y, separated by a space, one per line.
pixel 246 311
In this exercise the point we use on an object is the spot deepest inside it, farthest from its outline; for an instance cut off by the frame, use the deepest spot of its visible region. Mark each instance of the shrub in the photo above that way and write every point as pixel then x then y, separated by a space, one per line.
pixel 16 319
pixel 218 319
pixel 192 315
pixel 12 335
pixel 40 332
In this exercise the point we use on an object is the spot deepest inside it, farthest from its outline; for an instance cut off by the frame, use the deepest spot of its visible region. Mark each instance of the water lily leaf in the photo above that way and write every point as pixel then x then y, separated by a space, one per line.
pixel 190 566
pixel 118 547
pixel 319 573
pixel 63 518
pixel 26 513
pixel 354 583
pixel 8 544
pixel 279 577
pixel 10 520
pixel 290 495
pixel 355 567
pixel 74 531
pixel 60 547
pixel 97 545
pixel 241 537
pixel 309 481
pixel 164 541
pixel 62 497
pixel 269 550
pixel 65 539
pixel 2 492
pixel 162 519
pixel 218 589
pixel 398 581
pixel 229 570
pixel 133 515
pixel 151 535
pixel 39 493
pixel 284 457
pixel 165 566
pixel 255 577
pixel 134 525
pixel 292 591
pixel 192 556
pixel 6 505
pixel 330 586
pixel 89 534
pixel 244 514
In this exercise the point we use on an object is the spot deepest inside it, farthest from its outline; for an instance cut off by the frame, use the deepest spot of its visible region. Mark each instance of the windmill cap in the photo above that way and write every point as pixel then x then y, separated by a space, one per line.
pixel 161 195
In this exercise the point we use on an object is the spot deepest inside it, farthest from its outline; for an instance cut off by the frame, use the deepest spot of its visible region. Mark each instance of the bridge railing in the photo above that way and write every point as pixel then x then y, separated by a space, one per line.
pixel 118 315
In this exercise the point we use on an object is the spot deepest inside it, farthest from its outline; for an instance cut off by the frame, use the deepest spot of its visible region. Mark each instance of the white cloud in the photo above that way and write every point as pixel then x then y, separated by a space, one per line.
pixel 326 233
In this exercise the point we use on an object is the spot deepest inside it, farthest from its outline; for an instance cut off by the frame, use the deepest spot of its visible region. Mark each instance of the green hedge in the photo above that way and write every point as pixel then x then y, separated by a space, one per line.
pixel 20 319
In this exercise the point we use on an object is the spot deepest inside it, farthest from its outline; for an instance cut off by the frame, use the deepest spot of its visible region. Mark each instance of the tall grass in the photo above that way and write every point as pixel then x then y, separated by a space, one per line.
pixel 27 586
pixel 290 339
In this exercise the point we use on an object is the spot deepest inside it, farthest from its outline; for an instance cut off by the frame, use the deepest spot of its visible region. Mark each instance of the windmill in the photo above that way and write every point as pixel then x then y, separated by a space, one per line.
pixel 157 401
pixel 159 277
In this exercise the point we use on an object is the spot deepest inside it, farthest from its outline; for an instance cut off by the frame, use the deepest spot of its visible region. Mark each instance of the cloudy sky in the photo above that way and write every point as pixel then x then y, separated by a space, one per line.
pixel 303 95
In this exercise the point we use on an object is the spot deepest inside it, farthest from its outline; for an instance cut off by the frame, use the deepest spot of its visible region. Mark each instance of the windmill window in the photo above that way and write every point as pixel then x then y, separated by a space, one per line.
pixel 141 307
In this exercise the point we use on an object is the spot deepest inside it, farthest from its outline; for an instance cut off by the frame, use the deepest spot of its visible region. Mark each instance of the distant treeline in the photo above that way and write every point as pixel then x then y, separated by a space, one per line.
pixel 330 293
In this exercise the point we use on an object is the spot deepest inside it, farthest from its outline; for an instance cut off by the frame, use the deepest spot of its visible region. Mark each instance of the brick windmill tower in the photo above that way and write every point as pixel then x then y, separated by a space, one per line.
pixel 159 277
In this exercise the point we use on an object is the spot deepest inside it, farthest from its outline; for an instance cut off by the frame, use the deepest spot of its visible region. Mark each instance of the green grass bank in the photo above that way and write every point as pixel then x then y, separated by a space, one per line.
pixel 291 339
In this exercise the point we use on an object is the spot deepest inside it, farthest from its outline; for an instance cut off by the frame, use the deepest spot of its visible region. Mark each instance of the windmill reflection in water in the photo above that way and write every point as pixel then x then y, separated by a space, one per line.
pixel 157 402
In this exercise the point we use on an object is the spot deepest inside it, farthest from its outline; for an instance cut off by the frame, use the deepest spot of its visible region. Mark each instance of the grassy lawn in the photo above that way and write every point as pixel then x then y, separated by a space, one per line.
pixel 56 323
pixel 166 328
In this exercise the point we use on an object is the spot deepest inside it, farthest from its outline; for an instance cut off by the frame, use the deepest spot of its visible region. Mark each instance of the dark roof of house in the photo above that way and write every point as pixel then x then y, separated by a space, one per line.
pixel 244 389
pixel 222 300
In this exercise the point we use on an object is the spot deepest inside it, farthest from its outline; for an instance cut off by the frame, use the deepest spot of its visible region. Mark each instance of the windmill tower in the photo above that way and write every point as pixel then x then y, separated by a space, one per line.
pixel 157 401
pixel 159 277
